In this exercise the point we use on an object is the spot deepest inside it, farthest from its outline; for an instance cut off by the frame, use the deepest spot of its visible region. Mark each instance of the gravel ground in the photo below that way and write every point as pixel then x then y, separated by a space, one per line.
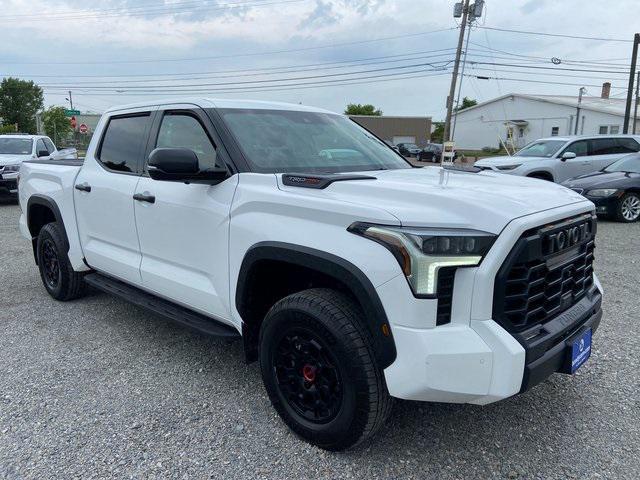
pixel 98 388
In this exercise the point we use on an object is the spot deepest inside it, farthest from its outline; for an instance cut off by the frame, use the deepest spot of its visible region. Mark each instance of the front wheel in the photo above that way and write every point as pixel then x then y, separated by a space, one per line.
pixel 319 370
pixel 628 207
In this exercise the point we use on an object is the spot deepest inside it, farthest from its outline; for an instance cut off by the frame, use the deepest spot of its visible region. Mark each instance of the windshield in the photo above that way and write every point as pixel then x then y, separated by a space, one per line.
pixel 15 146
pixel 307 142
pixel 629 163
pixel 541 148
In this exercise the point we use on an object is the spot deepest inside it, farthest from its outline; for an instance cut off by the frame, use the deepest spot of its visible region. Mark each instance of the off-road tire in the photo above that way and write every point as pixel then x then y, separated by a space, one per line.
pixel 336 321
pixel 69 283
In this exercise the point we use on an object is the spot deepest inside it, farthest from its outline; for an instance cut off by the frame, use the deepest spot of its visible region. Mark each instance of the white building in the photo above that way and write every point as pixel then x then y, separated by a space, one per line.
pixel 518 119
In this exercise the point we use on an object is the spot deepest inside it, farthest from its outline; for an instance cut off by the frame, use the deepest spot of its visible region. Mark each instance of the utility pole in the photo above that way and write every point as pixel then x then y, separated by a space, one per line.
pixel 580 93
pixel 464 63
pixel 454 77
pixel 635 110
pixel 70 100
pixel 632 75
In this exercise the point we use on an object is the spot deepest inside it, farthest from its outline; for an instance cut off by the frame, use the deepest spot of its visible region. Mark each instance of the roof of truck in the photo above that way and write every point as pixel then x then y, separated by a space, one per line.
pixel 220 103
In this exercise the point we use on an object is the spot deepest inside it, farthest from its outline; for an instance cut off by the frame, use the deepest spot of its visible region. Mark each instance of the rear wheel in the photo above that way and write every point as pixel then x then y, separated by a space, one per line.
pixel 628 207
pixel 319 370
pixel 58 276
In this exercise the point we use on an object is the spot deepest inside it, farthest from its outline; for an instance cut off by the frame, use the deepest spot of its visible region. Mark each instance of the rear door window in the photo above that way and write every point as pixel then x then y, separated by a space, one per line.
pixel 627 145
pixel 603 146
pixel 121 147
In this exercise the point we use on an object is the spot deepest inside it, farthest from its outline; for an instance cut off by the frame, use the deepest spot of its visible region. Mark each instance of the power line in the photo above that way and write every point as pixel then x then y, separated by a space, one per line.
pixel 575 37
pixel 166 9
pixel 482 77
pixel 106 10
pixel 329 83
pixel 212 75
pixel 236 55
pixel 263 69
pixel 228 85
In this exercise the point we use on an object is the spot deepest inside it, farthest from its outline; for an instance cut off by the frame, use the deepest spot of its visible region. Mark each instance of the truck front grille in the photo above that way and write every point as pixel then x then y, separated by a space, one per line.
pixel 549 270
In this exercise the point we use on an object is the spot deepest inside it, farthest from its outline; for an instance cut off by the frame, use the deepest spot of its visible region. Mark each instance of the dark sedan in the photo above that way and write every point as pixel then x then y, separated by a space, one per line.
pixel 615 190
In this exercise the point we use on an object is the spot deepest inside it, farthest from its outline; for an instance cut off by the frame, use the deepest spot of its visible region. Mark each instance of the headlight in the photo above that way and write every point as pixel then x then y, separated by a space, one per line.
pixel 602 192
pixel 422 252
pixel 11 168
pixel 508 167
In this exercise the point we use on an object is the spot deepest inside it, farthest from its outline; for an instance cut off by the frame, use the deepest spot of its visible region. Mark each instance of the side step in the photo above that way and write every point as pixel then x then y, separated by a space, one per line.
pixel 160 306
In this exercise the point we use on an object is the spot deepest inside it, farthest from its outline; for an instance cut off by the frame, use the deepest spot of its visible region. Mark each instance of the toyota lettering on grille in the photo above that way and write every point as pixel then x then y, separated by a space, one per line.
pixel 567 237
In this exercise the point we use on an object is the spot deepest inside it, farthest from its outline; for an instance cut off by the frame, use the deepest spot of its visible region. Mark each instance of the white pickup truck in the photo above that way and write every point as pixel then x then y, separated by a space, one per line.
pixel 14 149
pixel 350 275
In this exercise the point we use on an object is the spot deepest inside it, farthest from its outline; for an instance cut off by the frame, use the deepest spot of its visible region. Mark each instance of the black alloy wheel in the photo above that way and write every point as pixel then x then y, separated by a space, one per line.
pixel 307 375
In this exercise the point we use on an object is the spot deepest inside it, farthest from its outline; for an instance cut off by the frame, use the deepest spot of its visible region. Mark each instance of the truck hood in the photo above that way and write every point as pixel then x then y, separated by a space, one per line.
pixel 506 160
pixel 438 197
pixel 13 159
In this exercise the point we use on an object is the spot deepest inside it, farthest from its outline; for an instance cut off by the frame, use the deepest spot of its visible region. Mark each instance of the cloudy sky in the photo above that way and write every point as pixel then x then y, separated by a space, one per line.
pixel 396 54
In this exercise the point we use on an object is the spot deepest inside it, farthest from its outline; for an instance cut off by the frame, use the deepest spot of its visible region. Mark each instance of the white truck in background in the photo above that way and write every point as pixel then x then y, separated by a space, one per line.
pixel 350 275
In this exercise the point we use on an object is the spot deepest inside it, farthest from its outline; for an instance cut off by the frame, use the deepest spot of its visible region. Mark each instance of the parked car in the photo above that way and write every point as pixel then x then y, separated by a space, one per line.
pixel 408 149
pixel 615 190
pixel 432 152
pixel 16 148
pixel 560 158
pixel 351 278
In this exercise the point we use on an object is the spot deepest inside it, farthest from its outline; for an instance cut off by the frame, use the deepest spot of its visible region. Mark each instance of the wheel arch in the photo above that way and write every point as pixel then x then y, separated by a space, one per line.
pixel 307 267
pixel 41 210
pixel 542 174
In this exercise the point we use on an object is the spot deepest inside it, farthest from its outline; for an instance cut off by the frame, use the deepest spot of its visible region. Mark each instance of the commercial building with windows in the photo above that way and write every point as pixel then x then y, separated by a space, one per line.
pixel 397 129
pixel 517 119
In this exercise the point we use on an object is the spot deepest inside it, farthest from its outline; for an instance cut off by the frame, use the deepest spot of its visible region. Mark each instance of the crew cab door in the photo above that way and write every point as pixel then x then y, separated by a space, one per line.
pixel 183 229
pixel 103 197
pixel 572 167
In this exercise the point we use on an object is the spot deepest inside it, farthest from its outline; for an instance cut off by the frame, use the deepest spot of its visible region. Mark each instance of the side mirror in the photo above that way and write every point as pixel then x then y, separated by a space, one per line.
pixel 567 156
pixel 181 165
pixel 43 153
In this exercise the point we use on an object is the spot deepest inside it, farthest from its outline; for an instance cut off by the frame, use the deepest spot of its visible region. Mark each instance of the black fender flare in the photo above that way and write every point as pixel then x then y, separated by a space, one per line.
pixel 333 266
pixel 50 203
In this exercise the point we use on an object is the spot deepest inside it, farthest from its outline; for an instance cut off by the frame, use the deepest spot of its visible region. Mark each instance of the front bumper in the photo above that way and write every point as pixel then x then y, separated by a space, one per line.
pixel 473 359
pixel 9 181
pixel 605 205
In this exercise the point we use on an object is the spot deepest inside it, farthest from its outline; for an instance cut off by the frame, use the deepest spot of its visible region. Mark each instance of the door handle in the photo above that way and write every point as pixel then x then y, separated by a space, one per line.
pixel 83 187
pixel 141 197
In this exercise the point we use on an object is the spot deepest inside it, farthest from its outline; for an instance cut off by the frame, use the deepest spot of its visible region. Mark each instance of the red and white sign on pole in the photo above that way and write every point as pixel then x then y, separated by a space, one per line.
pixel 83 128
pixel 73 122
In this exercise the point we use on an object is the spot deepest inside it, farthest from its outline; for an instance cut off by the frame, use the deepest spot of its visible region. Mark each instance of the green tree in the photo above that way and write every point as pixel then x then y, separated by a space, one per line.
pixel 56 124
pixel 20 100
pixel 438 132
pixel 466 103
pixel 357 109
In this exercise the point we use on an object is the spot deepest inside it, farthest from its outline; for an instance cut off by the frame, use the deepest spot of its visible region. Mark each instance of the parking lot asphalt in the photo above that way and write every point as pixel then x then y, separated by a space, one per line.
pixel 98 388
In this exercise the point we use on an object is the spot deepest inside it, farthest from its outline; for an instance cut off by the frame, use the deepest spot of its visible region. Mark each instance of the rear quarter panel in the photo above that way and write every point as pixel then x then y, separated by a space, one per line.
pixel 55 182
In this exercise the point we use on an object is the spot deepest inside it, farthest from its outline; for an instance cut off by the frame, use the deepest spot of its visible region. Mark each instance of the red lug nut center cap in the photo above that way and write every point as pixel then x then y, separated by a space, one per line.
pixel 309 373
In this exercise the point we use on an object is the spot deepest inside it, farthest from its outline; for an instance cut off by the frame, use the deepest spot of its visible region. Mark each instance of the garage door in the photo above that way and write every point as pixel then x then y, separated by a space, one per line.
pixel 397 140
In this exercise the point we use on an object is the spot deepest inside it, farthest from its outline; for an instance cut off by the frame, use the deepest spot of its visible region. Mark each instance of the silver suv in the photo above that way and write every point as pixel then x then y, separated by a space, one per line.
pixel 560 158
